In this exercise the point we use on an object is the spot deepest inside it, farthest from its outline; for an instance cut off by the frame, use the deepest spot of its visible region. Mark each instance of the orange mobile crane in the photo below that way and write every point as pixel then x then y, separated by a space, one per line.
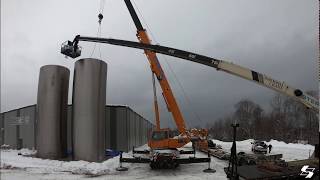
pixel 164 141
pixel 163 146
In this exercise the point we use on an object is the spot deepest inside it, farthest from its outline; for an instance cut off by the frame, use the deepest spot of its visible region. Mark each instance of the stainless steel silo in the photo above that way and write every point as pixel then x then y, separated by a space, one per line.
pixel 89 99
pixel 51 112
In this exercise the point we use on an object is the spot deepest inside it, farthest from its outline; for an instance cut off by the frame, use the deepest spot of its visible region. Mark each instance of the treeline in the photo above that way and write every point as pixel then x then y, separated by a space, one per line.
pixel 288 121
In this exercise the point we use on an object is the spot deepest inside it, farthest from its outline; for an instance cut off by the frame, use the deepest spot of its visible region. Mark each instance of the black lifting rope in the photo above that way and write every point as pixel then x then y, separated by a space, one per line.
pixel 100 17
pixel 101 8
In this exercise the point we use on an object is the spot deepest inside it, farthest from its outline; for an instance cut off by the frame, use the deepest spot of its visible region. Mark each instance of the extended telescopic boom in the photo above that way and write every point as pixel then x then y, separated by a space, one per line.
pixel 72 49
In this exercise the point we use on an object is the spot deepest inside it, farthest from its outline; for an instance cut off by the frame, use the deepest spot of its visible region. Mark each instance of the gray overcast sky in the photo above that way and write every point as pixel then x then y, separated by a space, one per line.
pixel 275 37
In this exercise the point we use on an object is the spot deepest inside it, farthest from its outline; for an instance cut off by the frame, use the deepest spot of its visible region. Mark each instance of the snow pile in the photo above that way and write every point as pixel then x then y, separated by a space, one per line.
pixel 27 152
pixel 11 160
pixel 92 169
pixel 290 151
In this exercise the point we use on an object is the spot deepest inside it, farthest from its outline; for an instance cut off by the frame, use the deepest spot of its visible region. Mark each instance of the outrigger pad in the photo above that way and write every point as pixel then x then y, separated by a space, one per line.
pixel 191 160
pixel 135 160
pixel 140 152
pixel 186 152
pixel 209 170
pixel 121 168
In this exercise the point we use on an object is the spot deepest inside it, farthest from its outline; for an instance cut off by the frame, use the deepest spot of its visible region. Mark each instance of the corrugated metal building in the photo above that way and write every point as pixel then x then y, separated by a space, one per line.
pixel 19 127
pixel 130 129
pixel 1 129
pixel 124 128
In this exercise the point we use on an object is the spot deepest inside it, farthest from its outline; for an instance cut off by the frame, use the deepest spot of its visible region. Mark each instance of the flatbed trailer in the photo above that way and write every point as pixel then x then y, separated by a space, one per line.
pixel 217 152
pixel 292 170
pixel 258 159
pixel 244 158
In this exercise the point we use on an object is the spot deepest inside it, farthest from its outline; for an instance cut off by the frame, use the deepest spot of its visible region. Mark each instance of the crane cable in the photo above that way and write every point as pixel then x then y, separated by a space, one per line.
pixel 195 114
pixel 100 17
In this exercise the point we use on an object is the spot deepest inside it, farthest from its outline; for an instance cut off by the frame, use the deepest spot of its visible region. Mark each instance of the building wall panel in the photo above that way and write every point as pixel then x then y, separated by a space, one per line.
pixel 108 127
pixel 121 129
pixel 113 128
pixel 10 133
pixel 27 128
pixel 140 130
pixel 136 121
pixel 1 128
pixel 145 130
pixel 132 131
pixel 135 128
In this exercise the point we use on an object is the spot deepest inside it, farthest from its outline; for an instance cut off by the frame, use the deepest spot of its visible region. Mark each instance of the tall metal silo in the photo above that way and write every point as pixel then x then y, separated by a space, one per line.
pixel 51 112
pixel 89 99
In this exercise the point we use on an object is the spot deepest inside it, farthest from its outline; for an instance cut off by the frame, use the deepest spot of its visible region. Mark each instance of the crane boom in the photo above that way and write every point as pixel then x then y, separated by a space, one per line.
pixel 72 49
pixel 156 68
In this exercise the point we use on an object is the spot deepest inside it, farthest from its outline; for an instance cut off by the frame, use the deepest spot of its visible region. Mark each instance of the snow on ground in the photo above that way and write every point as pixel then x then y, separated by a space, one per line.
pixel 14 166
pixel 290 151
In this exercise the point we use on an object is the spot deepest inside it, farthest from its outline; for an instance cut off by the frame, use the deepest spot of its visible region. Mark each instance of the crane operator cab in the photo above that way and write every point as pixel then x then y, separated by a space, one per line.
pixel 162 134
pixel 163 152
pixel 159 135
pixel 166 138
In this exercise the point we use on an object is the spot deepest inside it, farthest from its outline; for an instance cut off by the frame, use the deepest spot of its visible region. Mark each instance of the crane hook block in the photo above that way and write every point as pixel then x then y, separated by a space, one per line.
pixel 100 16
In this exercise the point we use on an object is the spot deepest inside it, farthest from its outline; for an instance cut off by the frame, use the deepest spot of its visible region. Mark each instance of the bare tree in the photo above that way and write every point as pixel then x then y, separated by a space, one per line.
pixel 257 123
pixel 245 115
pixel 288 121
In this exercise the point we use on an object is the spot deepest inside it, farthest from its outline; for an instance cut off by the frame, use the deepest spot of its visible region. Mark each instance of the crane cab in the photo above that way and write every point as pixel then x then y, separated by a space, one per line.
pixel 166 139
pixel 158 135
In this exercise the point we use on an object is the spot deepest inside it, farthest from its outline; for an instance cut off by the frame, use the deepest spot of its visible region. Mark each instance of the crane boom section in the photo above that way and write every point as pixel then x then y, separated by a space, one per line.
pixel 262 79
pixel 157 69
pixel 245 73
pixel 164 84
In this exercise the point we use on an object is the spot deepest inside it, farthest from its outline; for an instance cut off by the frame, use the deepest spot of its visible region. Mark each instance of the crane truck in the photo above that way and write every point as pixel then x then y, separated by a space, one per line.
pixel 163 146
